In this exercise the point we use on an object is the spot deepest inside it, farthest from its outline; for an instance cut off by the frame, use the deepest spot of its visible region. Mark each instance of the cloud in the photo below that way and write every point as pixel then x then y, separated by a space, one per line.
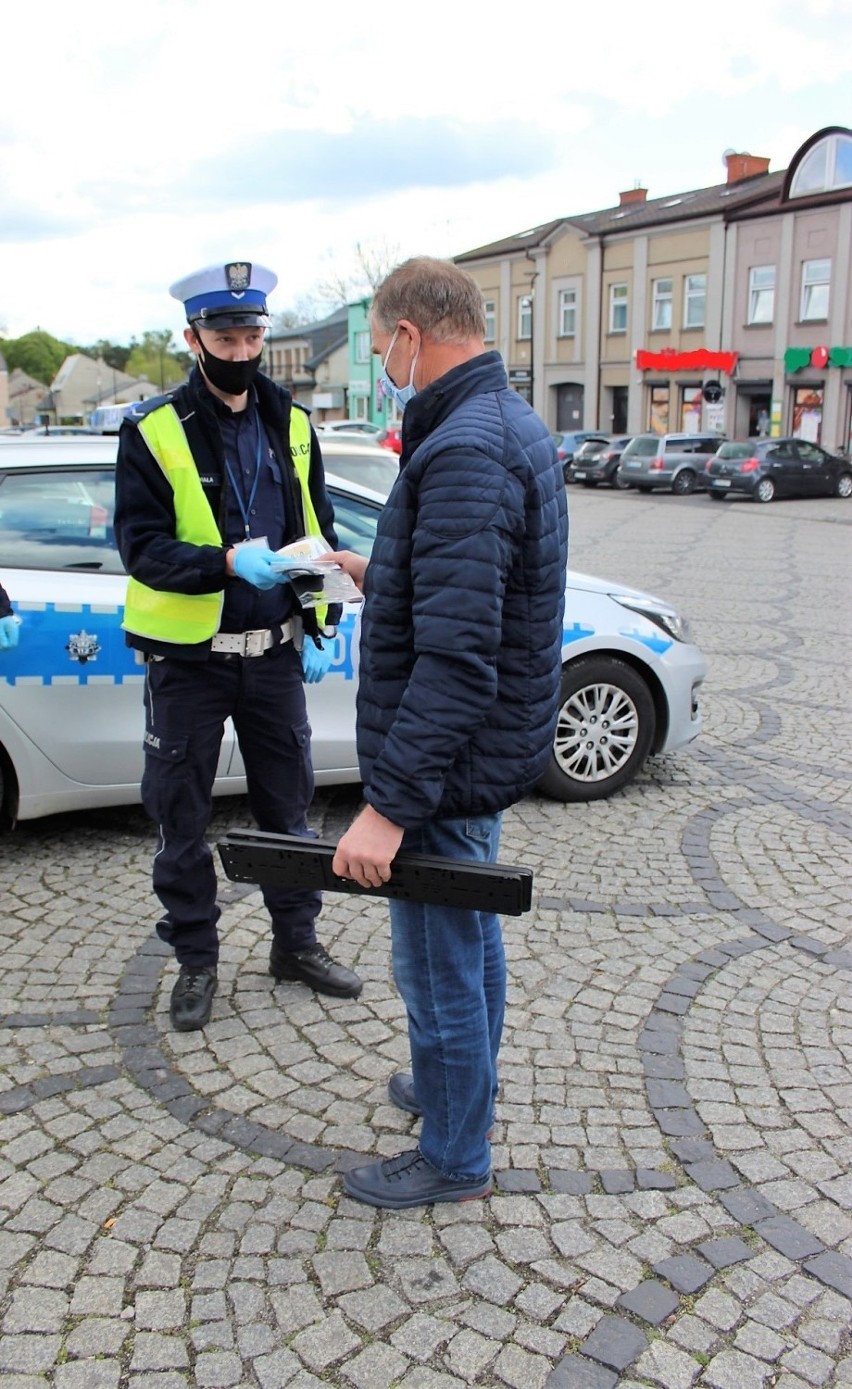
pixel 373 158
pixel 23 222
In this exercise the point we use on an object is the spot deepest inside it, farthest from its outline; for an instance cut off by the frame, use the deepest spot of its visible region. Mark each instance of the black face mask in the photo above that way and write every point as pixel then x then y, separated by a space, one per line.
pixel 233 378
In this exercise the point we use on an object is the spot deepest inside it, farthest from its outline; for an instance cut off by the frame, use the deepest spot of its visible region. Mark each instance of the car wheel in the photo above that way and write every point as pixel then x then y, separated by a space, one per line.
pixel 619 482
pixel 604 730
pixel 717 496
pixel 684 482
pixel 765 490
pixel 843 485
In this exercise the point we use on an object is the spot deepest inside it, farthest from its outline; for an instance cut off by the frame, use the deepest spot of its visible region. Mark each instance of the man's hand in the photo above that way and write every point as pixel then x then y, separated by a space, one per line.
pixel 367 849
pixel 354 565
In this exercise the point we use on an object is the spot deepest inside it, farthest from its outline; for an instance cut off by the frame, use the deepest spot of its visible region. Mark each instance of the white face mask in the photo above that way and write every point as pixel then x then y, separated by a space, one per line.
pixel 401 394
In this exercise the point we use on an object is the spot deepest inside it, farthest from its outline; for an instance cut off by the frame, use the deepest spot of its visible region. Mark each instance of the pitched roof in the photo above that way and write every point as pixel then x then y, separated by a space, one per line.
pixel 674 207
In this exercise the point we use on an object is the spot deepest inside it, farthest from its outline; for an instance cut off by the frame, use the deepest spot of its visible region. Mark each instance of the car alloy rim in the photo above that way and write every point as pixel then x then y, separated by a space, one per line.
pixel 596 732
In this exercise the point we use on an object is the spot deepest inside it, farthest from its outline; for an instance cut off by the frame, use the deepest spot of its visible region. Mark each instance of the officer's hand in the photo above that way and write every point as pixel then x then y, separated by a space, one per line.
pixel 254 564
pixel 316 659
pixel 8 633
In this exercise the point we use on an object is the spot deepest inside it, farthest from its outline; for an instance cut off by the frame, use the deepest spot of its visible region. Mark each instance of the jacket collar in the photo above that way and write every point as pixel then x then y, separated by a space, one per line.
pixel 431 406
pixel 272 401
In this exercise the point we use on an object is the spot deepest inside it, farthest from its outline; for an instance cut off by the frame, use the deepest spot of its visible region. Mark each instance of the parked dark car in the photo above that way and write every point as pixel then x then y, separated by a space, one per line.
pixel 596 462
pixel 568 443
pixel 766 468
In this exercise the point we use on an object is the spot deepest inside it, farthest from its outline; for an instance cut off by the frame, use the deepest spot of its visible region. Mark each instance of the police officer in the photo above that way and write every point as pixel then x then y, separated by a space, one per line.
pixel 211 480
pixel 8 623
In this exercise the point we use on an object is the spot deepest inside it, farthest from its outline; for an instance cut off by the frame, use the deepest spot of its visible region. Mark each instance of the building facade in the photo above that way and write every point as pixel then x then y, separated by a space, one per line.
pixel 726 309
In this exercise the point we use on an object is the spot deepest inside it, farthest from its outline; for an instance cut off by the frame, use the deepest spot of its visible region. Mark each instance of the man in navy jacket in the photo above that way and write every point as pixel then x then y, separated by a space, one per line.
pixel 458 691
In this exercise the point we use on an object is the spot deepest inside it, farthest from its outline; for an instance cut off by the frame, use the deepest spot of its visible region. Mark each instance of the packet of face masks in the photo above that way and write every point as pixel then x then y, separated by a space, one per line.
pixel 316 577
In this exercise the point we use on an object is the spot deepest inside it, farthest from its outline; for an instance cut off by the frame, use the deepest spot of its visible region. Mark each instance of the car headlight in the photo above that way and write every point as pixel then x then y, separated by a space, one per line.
pixel 667 619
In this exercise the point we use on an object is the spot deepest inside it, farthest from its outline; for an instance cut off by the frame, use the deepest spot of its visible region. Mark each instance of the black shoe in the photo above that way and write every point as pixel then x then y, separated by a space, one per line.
pixel 409 1180
pixel 192 998
pixel 315 967
pixel 401 1092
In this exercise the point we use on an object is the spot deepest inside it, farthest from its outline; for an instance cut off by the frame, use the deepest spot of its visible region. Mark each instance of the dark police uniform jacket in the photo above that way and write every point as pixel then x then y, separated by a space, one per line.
pixel 145 523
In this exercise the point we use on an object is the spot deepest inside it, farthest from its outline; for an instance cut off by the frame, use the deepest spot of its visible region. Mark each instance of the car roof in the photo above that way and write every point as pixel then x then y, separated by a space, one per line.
pixel 59 449
pixel 68 452
pixel 64 450
pixel 333 447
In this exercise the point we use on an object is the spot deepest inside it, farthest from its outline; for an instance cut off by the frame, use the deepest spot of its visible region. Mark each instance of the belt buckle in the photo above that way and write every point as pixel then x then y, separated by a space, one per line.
pixel 255 643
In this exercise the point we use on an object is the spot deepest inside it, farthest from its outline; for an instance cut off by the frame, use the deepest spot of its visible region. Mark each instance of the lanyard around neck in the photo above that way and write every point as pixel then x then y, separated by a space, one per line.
pixel 245 507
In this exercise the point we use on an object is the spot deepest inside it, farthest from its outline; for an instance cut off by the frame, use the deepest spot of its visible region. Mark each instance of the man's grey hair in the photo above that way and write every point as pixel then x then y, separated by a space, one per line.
pixel 435 295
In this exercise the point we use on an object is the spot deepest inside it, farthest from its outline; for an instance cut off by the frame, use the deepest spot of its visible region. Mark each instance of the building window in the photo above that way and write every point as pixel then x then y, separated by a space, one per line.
pixel 694 299
pixel 491 320
pixel 658 409
pixel 618 308
pixel 362 347
pixel 827 165
pixel 661 311
pixel 567 313
pixel 690 409
pixel 761 293
pixel 807 413
pixel 525 316
pixel 816 276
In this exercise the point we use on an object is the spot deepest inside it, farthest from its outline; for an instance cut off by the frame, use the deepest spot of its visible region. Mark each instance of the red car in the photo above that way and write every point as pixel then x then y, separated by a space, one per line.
pixel 391 438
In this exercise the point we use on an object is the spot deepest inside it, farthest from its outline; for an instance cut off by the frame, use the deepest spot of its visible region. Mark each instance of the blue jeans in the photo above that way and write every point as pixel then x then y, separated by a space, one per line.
pixel 450 969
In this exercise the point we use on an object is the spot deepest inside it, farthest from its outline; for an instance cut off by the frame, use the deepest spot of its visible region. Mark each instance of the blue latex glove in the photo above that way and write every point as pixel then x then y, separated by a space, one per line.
pixel 316 659
pixel 253 563
pixel 8 633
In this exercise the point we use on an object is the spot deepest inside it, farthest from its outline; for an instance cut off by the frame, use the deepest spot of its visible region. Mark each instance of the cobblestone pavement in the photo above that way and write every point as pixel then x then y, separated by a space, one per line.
pixel 673 1146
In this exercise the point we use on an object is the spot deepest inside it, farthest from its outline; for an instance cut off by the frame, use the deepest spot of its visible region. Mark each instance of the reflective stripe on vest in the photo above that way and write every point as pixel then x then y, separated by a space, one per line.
pixel 189 618
pixel 182 618
pixel 300 451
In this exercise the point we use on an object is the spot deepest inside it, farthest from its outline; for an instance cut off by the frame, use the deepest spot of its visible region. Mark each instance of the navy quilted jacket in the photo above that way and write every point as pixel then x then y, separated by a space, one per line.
pixel 462 624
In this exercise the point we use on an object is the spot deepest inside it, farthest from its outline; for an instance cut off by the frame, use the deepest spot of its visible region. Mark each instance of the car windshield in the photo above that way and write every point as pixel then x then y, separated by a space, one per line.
pixel 355 521
pixel 645 446
pixel 375 468
pixel 735 451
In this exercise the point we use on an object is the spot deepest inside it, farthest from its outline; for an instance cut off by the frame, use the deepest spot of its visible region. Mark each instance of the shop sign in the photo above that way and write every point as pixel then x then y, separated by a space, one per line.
pixel 797 358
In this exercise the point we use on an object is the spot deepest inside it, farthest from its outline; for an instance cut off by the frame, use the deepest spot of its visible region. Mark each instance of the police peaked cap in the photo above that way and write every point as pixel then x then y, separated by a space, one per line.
pixel 226 296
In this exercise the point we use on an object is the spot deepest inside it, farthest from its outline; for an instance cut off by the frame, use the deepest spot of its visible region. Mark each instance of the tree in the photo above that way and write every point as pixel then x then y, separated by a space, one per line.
pixel 156 358
pixel 306 310
pixel 112 353
pixel 39 354
pixel 371 263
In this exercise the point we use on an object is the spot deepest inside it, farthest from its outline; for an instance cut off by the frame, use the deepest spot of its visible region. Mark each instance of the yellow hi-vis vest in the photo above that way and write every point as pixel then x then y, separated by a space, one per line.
pixel 189 618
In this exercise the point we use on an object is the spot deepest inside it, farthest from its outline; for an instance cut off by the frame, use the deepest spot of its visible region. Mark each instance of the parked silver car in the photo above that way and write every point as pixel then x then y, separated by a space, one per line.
pixel 71 718
pixel 674 462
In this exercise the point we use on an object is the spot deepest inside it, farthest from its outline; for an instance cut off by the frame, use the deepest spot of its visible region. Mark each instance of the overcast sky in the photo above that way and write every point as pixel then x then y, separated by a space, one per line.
pixel 138 143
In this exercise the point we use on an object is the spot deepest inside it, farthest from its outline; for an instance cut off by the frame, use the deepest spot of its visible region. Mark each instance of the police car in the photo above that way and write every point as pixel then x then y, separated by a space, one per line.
pixel 71 718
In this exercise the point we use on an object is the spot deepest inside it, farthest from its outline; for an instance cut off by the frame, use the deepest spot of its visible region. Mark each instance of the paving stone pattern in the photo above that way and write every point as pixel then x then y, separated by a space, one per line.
pixel 673 1147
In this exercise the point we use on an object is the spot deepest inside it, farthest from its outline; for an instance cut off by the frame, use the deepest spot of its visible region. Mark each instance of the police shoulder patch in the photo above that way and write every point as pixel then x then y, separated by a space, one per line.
pixel 142 408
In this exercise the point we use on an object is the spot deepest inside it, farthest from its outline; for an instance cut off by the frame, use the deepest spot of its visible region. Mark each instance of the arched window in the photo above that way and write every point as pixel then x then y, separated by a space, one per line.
pixel 827 165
